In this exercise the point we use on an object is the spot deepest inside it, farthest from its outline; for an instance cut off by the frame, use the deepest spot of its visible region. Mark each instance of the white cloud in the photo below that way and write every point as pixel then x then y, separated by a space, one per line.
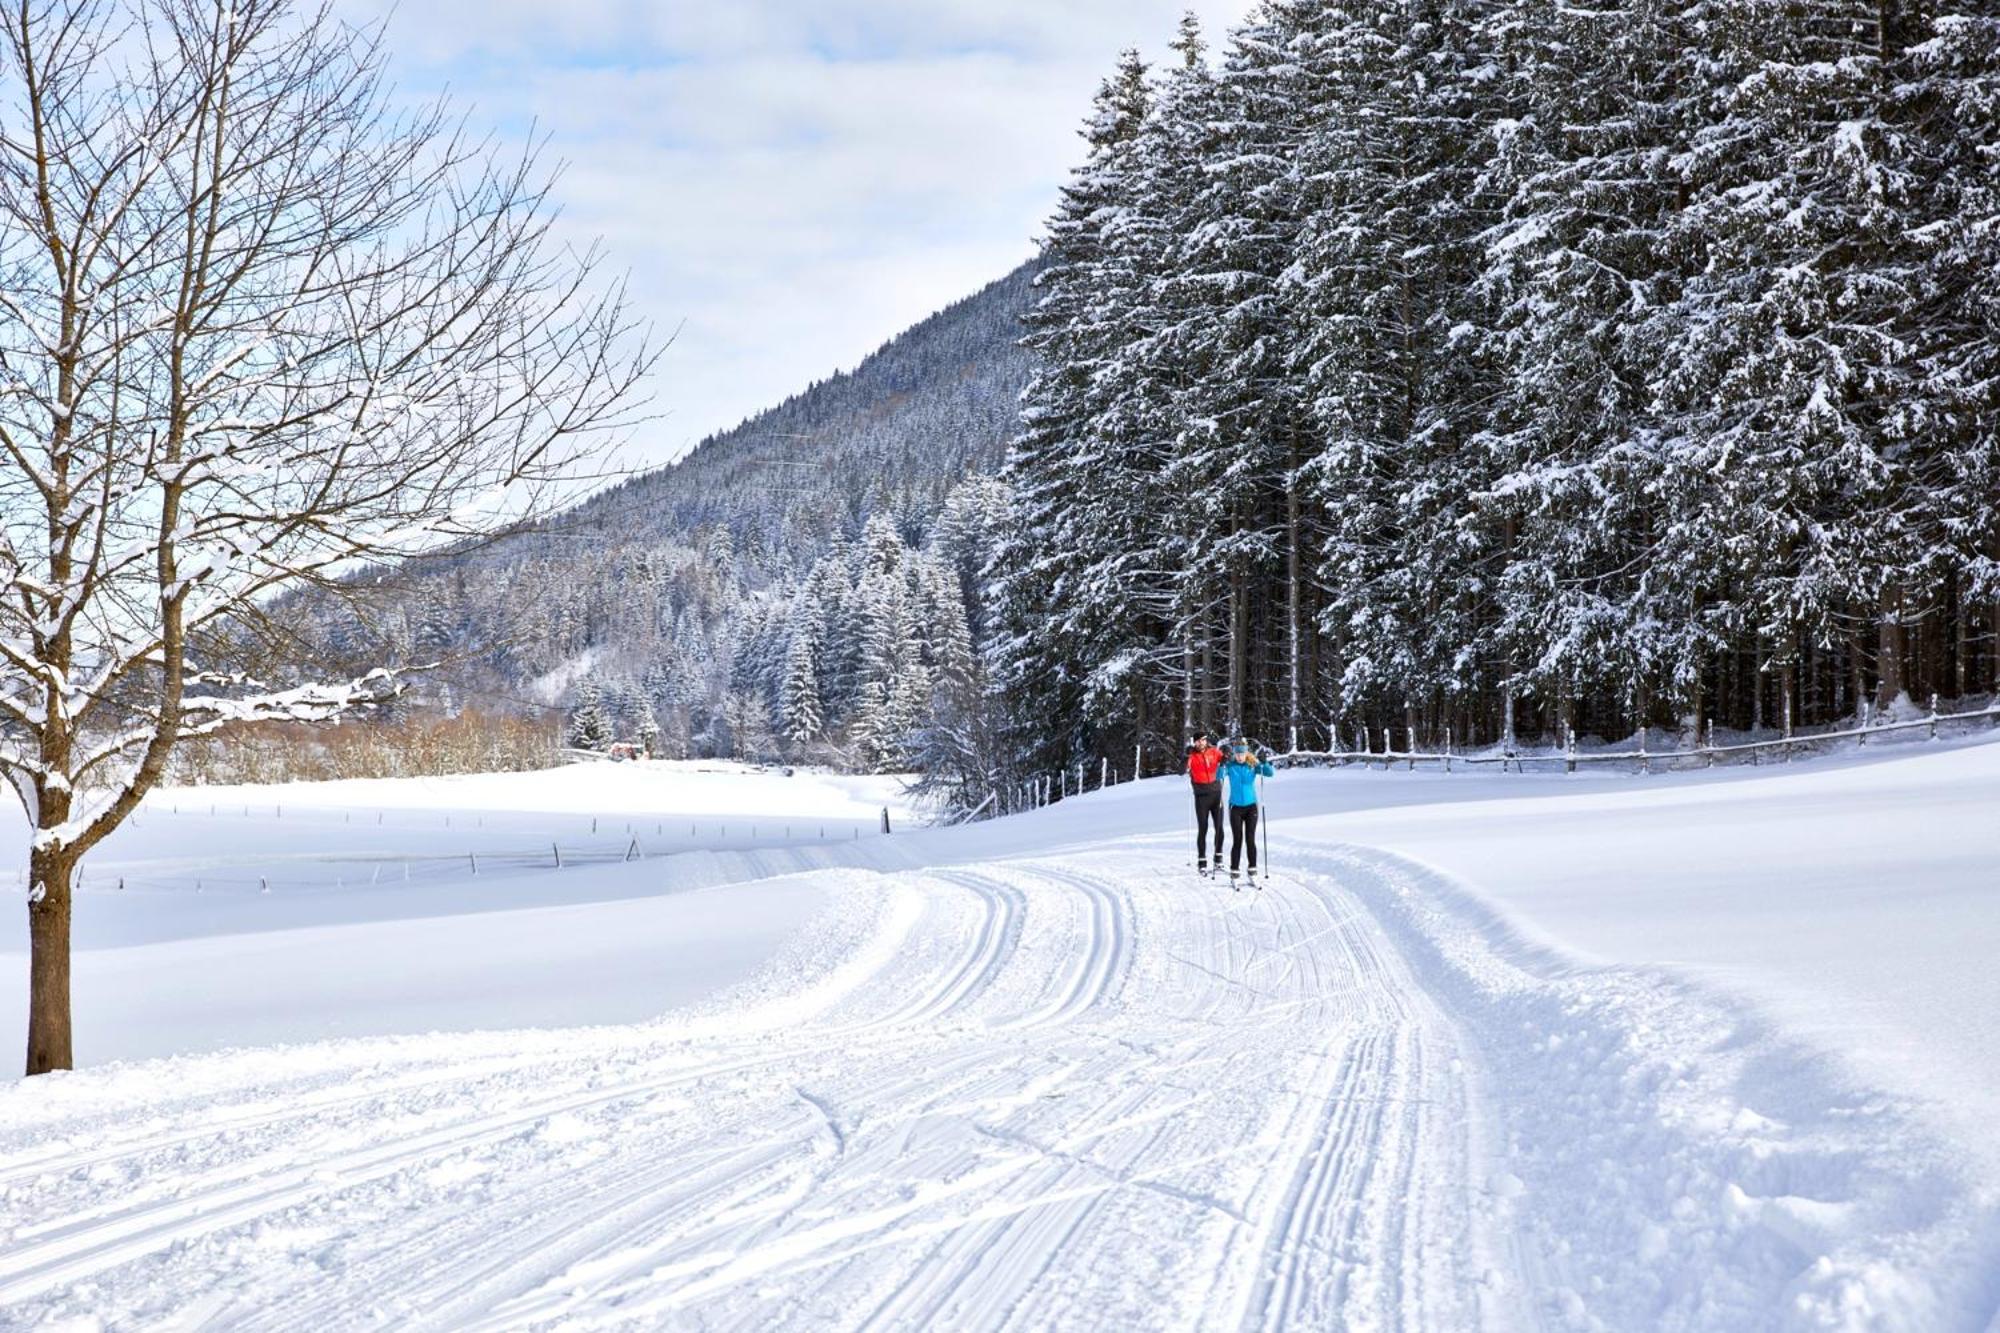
pixel 790 182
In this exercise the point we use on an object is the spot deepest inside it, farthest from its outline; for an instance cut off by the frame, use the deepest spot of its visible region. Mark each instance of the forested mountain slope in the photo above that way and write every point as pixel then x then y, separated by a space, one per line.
pixel 659 605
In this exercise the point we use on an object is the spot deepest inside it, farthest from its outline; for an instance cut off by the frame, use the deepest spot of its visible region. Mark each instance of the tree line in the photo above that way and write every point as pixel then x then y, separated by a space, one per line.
pixel 1514 369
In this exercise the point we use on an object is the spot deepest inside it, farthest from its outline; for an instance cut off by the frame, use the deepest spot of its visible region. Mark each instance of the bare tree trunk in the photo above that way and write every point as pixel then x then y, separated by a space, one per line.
pixel 1139 719
pixel 1239 635
pixel 1700 700
pixel 49 1032
pixel 1207 676
pixel 1889 654
pixel 1295 611
pixel 1757 685
pixel 1857 660
pixel 1961 622
pixel 1187 689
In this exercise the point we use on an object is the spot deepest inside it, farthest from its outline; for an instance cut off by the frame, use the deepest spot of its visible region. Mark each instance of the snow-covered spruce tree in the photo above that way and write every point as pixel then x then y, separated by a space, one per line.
pixel 1594 107
pixel 1236 406
pixel 895 683
pixel 1951 95
pixel 589 728
pixel 1390 346
pixel 1035 667
pixel 942 626
pixel 258 325
pixel 1781 492
pixel 799 702
pixel 1125 530
pixel 966 537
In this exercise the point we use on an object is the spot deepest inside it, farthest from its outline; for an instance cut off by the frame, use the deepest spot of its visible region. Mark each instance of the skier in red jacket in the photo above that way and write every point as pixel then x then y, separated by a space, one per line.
pixel 1204 763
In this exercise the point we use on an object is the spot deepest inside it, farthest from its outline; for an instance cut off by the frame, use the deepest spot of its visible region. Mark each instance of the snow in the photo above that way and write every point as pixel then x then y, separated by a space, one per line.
pixel 1852 902
pixel 706 786
pixel 399 935
pixel 1695 1051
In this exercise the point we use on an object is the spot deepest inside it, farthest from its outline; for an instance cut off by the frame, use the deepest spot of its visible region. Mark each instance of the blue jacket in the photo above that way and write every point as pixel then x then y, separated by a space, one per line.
pixel 1243 780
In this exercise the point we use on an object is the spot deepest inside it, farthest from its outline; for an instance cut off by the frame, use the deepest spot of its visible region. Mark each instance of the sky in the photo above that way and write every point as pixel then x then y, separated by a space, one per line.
pixel 787 184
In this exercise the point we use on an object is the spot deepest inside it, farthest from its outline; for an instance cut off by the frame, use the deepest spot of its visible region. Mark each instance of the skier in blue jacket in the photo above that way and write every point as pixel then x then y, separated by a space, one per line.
pixel 1242 772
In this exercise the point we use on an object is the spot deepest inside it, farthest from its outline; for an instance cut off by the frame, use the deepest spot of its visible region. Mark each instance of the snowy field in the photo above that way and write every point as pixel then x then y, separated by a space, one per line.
pixel 372 908
pixel 1702 1051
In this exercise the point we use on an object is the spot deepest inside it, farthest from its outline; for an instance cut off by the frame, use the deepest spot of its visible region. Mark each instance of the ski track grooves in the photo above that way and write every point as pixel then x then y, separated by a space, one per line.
pixel 1085 1094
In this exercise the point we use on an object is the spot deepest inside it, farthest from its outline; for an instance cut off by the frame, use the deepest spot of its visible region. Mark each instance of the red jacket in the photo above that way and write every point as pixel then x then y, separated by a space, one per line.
pixel 1203 765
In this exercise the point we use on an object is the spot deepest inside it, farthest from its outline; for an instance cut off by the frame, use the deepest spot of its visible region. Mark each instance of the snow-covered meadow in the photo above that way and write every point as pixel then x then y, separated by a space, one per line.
pixel 1691 1051
pixel 381 907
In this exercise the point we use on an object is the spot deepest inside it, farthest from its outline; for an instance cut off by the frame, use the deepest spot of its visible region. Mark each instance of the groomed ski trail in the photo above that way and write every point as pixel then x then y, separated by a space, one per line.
pixel 1084 1092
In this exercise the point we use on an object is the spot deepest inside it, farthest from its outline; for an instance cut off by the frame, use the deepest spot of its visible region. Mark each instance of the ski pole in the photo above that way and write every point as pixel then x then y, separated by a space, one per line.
pixel 1263 813
pixel 1264 827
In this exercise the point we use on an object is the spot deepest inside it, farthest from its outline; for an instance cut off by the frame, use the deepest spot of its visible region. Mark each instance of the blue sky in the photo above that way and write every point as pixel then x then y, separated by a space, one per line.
pixel 788 182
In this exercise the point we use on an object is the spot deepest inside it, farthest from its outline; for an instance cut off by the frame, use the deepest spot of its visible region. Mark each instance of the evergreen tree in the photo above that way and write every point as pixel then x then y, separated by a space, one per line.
pixel 801 714
pixel 589 728
pixel 1578 262
pixel 1034 661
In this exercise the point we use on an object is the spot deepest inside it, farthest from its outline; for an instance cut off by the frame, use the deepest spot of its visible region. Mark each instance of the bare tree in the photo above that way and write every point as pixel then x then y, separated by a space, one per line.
pixel 257 323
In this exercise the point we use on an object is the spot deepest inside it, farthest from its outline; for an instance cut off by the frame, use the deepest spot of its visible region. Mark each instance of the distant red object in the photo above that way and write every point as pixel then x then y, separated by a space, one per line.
pixel 621 750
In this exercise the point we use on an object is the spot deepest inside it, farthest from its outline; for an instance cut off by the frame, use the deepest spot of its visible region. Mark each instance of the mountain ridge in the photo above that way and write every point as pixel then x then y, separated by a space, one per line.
pixel 665 575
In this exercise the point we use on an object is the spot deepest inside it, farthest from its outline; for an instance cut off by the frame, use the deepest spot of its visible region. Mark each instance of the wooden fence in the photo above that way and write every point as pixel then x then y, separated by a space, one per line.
pixel 1058 786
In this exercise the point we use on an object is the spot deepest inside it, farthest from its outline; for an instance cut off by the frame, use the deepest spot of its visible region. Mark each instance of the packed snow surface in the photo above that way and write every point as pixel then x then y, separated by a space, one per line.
pixel 1701 1052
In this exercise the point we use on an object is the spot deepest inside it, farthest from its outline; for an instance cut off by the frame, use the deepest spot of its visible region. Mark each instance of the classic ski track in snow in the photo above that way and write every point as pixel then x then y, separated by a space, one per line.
pixel 1078 1094
pixel 1086 1091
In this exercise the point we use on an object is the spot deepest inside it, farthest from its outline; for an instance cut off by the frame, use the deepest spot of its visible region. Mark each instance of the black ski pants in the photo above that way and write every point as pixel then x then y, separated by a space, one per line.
pixel 1207 814
pixel 1242 831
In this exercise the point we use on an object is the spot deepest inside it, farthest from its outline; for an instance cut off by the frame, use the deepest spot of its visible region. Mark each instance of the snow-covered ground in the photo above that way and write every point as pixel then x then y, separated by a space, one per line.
pixel 262 914
pixel 1701 1051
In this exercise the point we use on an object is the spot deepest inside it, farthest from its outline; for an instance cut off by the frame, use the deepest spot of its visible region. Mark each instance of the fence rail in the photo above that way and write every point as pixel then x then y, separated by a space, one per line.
pixel 1060 785
pixel 339 871
pixel 1566 754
